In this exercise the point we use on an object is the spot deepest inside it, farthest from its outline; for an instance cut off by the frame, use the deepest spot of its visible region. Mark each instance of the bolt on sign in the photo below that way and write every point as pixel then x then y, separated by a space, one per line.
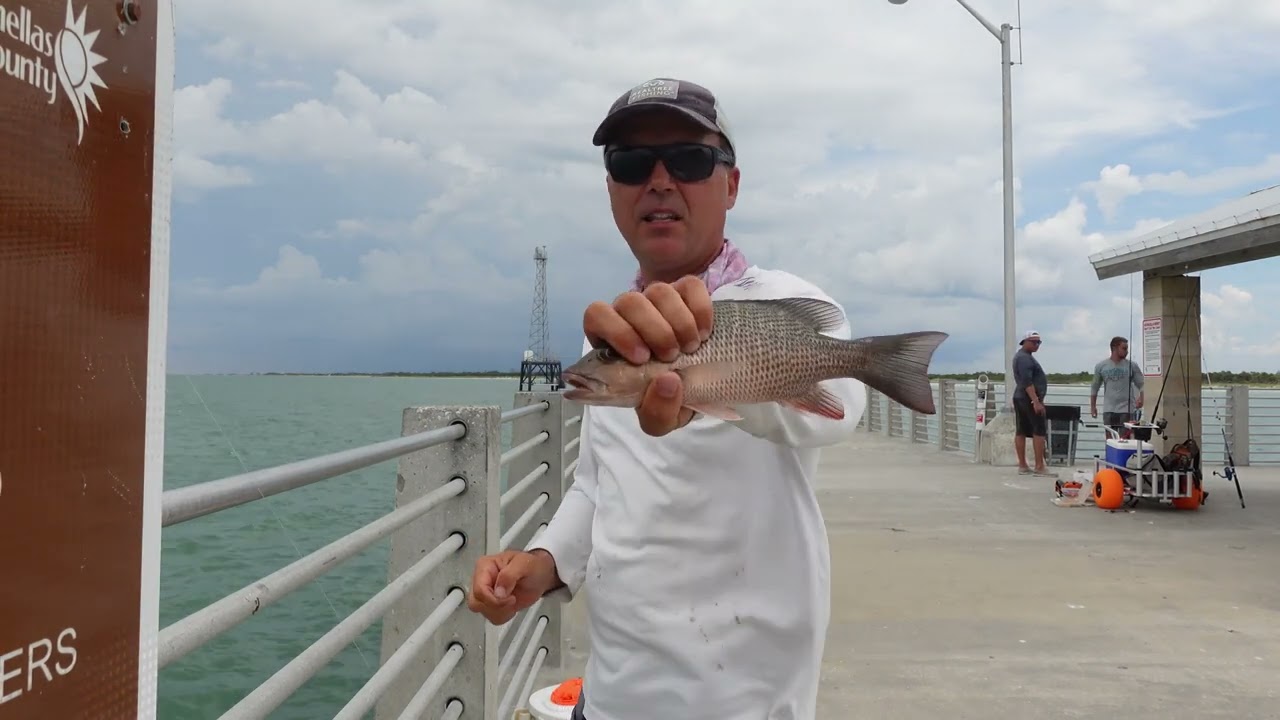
pixel 85 122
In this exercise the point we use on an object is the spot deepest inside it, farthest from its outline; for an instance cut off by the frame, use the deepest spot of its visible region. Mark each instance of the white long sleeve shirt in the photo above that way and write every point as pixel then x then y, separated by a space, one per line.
pixel 704 553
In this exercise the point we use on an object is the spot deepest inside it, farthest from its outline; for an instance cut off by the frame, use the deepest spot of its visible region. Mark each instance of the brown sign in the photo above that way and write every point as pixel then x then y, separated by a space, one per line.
pixel 81 406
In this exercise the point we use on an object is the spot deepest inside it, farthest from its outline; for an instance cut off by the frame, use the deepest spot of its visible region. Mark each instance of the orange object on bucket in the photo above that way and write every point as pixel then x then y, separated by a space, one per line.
pixel 567 692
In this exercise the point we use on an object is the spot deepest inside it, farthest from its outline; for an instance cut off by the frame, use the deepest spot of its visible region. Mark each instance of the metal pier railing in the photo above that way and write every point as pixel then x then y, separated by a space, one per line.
pixel 460 495
pixel 438 659
pixel 1250 417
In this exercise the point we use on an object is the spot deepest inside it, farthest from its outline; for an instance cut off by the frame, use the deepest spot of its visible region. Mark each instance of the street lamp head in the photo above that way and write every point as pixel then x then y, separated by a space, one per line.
pixel 898 2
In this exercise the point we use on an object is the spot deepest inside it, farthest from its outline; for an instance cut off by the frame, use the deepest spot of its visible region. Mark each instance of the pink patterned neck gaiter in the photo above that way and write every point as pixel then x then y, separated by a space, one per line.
pixel 727 267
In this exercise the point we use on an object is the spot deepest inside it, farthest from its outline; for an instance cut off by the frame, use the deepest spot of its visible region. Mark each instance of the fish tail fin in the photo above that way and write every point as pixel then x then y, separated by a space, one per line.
pixel 898 366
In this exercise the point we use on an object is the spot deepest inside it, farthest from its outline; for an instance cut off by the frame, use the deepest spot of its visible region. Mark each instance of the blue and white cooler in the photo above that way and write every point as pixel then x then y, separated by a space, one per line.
pixel 1130 454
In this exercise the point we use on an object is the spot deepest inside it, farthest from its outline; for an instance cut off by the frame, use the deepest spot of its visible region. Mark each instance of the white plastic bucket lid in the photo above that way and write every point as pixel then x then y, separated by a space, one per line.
pixel 556 702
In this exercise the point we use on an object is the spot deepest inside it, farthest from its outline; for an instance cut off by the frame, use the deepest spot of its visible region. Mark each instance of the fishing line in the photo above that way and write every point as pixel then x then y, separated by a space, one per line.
pixel 267 502
pixel 1186 381
pixel 1173 354
pixel 1137 414
pixel 1204 366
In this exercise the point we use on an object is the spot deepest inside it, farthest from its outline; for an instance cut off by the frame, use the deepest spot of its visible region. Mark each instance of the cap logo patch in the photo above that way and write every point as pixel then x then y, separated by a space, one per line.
pixel 654 89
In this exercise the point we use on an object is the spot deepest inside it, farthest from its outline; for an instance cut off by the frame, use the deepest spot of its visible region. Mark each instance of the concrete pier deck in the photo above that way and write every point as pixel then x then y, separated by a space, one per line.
pixel 961 591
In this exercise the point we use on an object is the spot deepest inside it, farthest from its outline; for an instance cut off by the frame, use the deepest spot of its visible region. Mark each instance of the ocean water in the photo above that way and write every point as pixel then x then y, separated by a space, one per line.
pixel 224 425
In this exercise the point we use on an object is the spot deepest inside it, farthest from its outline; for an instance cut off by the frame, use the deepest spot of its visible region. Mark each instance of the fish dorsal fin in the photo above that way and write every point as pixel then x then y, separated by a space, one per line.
pixel 818 314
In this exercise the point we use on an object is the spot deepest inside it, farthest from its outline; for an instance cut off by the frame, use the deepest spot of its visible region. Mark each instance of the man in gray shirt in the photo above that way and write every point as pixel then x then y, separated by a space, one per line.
pixel 1030 385
pixel 1123 380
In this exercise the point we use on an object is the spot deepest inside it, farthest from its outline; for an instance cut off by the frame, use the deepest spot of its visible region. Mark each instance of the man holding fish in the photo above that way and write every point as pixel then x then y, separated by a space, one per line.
pixel 710 387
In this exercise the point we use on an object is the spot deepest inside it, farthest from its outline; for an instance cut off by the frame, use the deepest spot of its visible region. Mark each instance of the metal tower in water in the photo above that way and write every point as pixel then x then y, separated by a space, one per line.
pixel 539 364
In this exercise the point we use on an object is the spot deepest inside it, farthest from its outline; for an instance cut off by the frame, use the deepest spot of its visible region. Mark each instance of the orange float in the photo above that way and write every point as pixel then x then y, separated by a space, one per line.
pixel 1108 489
pixel 1190 503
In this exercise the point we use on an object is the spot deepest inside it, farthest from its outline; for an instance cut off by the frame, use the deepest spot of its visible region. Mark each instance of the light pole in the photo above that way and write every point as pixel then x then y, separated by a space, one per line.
pixel 1006 68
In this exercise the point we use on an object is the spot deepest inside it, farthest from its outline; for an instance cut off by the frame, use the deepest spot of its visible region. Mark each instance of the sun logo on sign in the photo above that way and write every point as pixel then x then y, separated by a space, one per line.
pixel 76 62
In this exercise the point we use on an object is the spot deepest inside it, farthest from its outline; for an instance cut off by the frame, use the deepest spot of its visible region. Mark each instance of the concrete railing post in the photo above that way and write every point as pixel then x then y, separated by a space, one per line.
pixel 944 410
pixel 551 483
pixel 877 398
pixel 476 458
pixel 1237 421
pixel 947 389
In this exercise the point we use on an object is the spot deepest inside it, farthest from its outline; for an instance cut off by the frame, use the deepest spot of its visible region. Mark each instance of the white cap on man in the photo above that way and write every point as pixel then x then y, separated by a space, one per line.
pixel 1030 335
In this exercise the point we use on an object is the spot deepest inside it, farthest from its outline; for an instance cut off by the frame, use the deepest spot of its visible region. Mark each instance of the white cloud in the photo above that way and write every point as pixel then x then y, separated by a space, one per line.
pixel 1116 183
pixel 869 140
pixel 1237 325
pixel 202 131
pixel 292 269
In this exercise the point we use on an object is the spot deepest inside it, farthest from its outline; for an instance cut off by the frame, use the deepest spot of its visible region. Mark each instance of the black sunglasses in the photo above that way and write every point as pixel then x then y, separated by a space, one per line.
pixel 687 162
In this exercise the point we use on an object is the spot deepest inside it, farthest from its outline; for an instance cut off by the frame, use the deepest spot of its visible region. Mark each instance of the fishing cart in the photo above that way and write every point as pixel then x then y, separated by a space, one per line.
pixel 1131 471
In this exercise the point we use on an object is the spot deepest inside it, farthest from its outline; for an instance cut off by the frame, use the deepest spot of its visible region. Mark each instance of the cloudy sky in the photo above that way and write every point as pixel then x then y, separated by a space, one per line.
pixel 360 186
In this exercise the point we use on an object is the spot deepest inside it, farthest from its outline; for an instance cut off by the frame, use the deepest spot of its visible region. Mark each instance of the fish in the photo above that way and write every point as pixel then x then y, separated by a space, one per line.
pixel 774 350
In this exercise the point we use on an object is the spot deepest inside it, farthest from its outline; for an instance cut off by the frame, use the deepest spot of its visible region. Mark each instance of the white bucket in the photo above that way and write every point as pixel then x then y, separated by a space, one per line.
pixel 548 704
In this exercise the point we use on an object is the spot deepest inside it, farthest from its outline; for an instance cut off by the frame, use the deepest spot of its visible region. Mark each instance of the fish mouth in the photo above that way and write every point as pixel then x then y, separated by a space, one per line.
pixel 582 386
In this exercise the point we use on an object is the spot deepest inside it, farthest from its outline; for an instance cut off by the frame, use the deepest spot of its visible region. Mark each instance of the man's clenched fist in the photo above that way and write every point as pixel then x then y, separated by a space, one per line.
pixel 660 323
pixel 506 583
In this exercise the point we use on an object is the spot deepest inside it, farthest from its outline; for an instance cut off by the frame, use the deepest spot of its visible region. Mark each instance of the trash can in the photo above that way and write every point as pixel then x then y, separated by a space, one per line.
pixel 1062 428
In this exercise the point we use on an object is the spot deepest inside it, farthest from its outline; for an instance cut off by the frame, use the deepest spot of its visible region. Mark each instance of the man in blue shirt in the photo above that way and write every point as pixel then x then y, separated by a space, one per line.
pixel 1030 387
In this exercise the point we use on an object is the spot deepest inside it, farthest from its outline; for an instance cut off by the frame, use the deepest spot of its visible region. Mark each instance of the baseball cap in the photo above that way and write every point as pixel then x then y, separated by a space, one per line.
pixel 1029 335
pixel 695 101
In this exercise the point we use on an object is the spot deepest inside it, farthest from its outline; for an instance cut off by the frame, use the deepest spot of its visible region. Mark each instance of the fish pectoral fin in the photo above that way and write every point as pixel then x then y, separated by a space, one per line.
pixel 706 373
pixel 817 401
pixel 703 375
pixel 724 412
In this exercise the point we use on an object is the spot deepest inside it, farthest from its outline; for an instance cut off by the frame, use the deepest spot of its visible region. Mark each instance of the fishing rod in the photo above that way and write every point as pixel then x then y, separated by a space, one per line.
pixel 1229 472
pixel 1143 430
pixel 1164 376
pixel 1229 468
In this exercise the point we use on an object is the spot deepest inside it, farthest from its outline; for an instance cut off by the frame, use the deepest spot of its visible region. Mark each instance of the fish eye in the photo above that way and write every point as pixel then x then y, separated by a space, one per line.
pixel 607 353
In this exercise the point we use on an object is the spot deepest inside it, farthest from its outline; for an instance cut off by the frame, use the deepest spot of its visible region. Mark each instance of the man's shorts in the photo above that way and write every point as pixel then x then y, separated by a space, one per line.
pixel 1030 422
pixel 1116 420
